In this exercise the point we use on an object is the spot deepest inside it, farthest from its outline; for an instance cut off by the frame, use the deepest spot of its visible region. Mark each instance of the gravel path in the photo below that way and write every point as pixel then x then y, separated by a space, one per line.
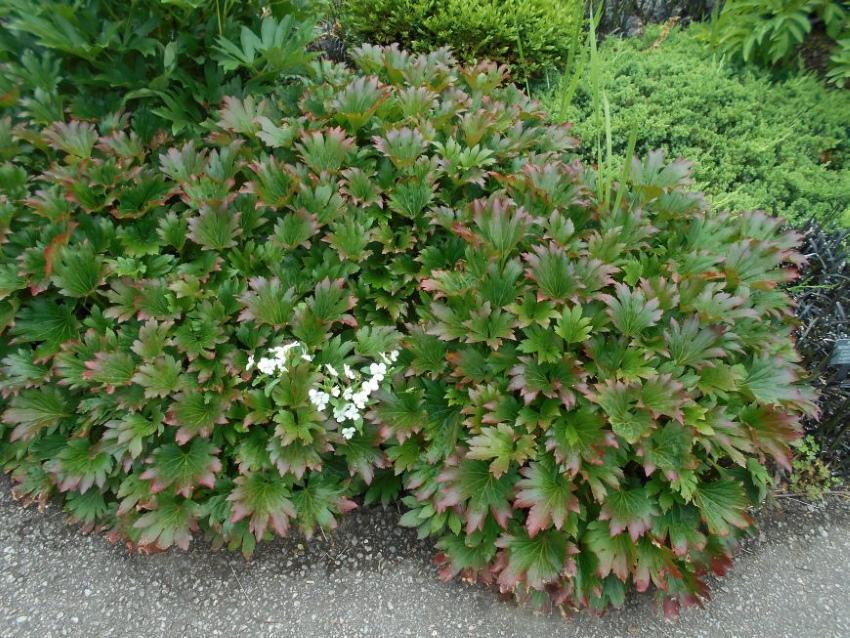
pixel 372 579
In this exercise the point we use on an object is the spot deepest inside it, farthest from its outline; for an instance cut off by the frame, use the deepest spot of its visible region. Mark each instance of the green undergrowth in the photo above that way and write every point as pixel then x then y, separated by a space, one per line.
pixel 757 141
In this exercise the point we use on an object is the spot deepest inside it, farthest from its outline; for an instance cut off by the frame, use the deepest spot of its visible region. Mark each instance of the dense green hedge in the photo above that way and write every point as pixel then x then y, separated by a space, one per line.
pixel 778 145
pixel 531 36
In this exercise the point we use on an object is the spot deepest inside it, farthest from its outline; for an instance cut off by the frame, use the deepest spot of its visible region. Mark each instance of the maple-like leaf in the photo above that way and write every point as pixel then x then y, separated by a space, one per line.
pixel 265 499
pixel 183 468
pixel 680 525
pixel 553 380
pixel 535 561
pixel 580 436
pixel 171 523
pixel 551 268
pixel 630 311
pixel 614 552
pixel 723 505
pixel 501 444
pixel 196 414
pixel 629 508
pixel 470 483
pixel 548 494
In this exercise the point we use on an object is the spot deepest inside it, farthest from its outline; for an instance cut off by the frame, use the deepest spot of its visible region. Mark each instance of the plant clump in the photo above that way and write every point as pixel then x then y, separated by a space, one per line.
pixel 532 37
pixel 393 277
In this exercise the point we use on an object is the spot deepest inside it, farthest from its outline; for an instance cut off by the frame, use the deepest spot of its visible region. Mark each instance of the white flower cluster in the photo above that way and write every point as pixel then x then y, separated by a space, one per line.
pixel 347 391
pixel 279 359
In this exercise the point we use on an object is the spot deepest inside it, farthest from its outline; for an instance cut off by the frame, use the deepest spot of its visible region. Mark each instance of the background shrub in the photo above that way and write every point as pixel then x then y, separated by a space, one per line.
pixel 779 146
pixel 531 36
pixel 168 62
pixel 770 32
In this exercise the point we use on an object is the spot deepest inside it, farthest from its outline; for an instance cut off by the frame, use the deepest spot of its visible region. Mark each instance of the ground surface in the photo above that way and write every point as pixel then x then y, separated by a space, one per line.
pixel 372 578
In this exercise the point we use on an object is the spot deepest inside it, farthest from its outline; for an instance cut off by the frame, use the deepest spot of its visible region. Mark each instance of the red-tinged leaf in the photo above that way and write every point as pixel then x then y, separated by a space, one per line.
pixel 723 505
pixel 471 485
pixel 614 552
pixel 772 431
pixel 774 381
pixel 183 468
pixel 553 380
pixel 630 311
pixel 663 396
pixel 548 494
pixel 503 445
pixel 680 526
pixel 267 302
pixel 171 523
pixel 265 498
pixel 196 414
pixel 580 436
pixel 553 272
pixel 629 508
pixel 653 563
pixel 534 561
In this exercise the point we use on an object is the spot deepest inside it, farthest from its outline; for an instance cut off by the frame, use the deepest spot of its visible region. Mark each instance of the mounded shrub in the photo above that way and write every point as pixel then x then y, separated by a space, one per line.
pixel 530 36
pixel 592 380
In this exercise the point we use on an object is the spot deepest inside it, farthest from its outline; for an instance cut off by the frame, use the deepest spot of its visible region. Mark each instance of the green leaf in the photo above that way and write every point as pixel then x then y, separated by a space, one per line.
pixel 196 414
pixel 35 410
pixel 572 326
pixel 43 321
pixel 215 227
pixel 171 523
pixel 631 312
pixel 681 527
pixel 630 509
pixel 80 465
pixel 471 482
pixel 265 498
pixel 183 468
pixel 549 495
pixel 614 552
pixel 503 446
pixel 722 505
pixel 319 503
pixel 543 343
pixel 536 561
pixel 161 377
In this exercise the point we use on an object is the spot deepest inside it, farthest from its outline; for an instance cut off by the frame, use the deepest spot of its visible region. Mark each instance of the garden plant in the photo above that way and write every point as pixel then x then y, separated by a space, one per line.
pixel 396 280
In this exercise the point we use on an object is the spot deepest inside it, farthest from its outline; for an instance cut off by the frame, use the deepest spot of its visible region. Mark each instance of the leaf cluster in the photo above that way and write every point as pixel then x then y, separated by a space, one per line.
pixel 589 391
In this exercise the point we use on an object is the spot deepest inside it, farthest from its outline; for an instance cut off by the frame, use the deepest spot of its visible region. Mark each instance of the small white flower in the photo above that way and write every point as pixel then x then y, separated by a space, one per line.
pixel 378 369
pixel 335 391
pixel 318 398
pixel 346 394
pixel 394 356
pixel 348 371
pixel 371 386
pixel 266 365
pixel 250 362
pixel 307 357
pixel 347 433
pixel 359 399
pixel 331 370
